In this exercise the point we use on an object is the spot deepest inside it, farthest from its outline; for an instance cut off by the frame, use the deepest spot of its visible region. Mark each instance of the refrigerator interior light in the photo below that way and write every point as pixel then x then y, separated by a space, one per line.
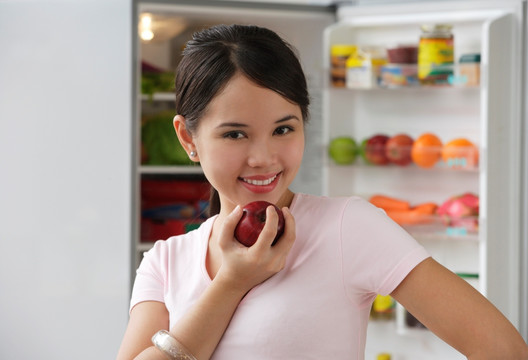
pixel 146 35
pixel 145 27
pixel 160 27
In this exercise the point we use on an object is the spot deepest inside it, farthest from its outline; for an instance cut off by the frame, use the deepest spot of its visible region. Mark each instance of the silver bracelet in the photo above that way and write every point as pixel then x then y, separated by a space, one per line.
pixel 170 346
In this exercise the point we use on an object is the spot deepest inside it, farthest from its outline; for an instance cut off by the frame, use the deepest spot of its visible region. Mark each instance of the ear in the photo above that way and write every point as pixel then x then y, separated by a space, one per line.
pixel 186 139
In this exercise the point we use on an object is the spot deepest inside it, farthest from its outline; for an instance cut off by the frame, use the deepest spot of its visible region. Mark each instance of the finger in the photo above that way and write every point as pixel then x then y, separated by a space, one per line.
pixel 269 231
pixel 288 237
pixel 228 227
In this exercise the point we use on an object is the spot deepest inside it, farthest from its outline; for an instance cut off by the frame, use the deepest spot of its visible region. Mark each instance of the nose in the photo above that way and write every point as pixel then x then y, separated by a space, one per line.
pixel 261 154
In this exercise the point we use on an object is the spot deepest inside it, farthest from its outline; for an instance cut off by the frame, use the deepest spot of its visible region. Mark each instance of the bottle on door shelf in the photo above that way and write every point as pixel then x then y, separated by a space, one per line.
pixel 339 53
pixel 383 356
pixel 383 308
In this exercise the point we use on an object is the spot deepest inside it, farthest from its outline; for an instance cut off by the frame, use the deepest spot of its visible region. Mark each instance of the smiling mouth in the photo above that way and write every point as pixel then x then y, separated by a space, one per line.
pixel 260 182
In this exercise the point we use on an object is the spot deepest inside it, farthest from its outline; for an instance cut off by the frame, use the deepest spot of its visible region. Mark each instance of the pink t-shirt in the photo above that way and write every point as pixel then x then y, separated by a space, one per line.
pixel 346 251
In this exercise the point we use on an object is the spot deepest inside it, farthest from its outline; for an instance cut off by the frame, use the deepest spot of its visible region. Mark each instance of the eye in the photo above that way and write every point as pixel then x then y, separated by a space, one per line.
pixel 283 130
pixel 233 135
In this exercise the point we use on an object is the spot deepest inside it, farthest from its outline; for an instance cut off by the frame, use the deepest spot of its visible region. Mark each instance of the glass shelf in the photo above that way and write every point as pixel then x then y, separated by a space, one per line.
pixel 405 76
pixel 164 96
pixel 170 169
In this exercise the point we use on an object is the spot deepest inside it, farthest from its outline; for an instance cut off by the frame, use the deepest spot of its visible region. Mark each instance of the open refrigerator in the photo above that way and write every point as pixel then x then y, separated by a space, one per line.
pixel 489 113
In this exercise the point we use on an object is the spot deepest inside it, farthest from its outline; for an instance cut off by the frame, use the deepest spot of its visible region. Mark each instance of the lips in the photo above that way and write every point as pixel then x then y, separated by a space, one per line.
pixel 260 183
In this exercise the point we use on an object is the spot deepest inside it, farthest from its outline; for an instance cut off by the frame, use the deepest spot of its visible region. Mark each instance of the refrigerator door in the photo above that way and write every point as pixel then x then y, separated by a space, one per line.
pixel 523 326
pixel 501 164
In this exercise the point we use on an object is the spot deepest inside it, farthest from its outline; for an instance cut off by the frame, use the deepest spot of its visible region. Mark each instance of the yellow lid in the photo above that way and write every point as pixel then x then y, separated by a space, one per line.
pixel 384 356
pixel 379 61
pixel 382 303
pixel 355 62
pixel 343 49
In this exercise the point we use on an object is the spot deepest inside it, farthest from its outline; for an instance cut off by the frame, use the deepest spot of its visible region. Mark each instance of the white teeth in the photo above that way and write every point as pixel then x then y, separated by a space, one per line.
pixel 260 182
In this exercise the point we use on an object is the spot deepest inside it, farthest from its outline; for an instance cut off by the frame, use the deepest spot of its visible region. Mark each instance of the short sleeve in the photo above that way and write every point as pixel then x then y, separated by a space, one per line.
pixel 377 253
pixel 149 284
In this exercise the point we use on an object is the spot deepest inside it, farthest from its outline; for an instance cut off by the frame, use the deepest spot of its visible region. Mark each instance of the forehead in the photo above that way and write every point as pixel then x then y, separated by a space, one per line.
pixel 241 99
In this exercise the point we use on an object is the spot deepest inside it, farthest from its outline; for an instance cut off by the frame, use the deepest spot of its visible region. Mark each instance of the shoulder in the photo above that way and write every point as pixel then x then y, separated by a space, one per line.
pixel 162 250
pixel 305 204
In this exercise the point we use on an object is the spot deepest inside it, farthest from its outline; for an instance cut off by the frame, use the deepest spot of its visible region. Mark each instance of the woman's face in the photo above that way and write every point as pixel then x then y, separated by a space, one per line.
pixel 250 144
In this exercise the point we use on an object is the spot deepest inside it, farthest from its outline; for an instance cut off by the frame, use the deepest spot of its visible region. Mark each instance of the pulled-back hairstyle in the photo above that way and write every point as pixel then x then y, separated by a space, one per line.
pixel 214 55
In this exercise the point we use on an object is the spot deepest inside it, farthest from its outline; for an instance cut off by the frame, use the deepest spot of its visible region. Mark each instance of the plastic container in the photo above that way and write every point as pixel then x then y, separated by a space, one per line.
pixel 403 54
pixel 469 69
pixel 363 68
pixel 359 73
pixel 396 75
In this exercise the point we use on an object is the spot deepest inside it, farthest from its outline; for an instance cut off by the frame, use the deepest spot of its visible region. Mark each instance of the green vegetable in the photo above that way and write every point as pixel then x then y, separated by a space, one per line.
pixel 157 82
pixel 161 143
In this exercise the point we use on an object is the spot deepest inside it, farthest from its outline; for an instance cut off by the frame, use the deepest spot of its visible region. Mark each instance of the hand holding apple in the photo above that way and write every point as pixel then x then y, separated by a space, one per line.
pixel 253 220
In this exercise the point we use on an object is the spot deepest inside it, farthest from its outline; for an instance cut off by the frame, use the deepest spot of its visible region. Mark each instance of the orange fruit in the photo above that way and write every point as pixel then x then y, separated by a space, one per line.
pixel 426 150
pixel 460 152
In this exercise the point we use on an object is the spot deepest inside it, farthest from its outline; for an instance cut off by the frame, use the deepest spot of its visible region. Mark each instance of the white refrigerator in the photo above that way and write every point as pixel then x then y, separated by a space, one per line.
pixel 490 113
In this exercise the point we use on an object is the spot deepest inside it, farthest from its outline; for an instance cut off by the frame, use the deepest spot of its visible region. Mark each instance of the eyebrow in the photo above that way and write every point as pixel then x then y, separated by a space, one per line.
pixel 241 125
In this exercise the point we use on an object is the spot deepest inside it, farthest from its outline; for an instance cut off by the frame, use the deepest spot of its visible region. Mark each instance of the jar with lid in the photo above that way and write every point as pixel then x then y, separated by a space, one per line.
pixel 435 54
pixel 339 54
pixel 383 308
pixel 383 356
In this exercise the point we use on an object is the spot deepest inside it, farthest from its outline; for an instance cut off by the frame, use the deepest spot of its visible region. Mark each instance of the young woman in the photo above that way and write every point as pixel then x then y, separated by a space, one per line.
pixel 242 104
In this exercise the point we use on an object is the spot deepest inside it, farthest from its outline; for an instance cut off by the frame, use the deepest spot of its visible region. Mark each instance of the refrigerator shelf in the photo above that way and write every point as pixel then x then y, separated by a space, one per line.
pixel 457 154
pixel 402 76
pixel 170 169
pixel 439 167
pixel 439 232
pixel 158 96
pixel 441 227
pixel 446 76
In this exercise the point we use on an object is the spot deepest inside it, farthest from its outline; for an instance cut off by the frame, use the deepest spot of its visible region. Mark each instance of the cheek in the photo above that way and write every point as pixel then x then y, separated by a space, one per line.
pixel 217 159
pixel 295 152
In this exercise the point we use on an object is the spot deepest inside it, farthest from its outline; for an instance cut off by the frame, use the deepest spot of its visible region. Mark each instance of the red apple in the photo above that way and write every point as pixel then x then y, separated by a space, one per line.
pixel 398 149
pixel 375 149
pixel 252 221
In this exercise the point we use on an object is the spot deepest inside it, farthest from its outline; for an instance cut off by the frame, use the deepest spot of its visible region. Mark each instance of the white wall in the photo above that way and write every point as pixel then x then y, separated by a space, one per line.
pixel 65 165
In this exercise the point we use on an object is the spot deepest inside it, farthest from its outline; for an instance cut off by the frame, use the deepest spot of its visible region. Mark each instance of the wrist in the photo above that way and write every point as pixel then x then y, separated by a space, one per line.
pixel 171 347
pixel 231 287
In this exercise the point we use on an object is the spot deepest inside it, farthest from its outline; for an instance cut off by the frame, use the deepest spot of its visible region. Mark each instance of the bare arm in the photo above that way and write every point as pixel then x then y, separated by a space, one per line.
pixel 459 314
pixel 202 327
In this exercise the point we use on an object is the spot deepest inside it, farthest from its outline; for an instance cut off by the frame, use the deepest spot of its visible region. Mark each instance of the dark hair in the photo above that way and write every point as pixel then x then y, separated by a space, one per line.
pixel 214 55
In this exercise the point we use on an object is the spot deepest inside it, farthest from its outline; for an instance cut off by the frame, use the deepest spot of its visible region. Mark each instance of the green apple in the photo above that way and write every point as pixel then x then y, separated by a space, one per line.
pixel 343 150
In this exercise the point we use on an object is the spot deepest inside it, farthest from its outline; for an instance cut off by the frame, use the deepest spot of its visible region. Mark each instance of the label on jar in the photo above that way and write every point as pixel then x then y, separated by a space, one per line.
pixel 433 56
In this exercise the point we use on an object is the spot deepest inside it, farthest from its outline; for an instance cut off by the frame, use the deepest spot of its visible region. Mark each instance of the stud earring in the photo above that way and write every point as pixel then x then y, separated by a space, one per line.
pixel 192 154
